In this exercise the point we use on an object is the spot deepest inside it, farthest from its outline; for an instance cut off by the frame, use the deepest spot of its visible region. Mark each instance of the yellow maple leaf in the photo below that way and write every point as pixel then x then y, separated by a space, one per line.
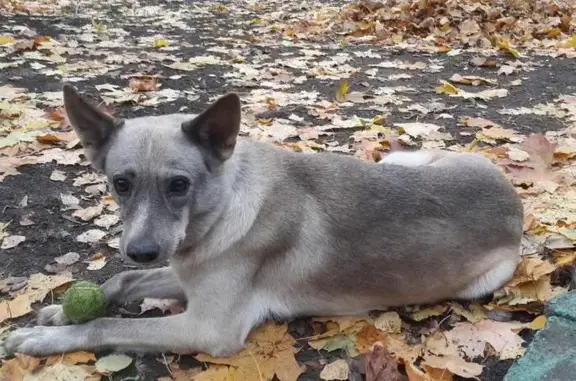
pixel 569 43
pixel 539 322
pixel 160 43
pixel 447 88
pixel 269 351
pixel 6 40
pixel 504 45
pixel 342 91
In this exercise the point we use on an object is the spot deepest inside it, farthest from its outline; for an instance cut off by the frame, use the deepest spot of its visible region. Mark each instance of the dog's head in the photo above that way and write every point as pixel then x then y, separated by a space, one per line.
pixel 167 173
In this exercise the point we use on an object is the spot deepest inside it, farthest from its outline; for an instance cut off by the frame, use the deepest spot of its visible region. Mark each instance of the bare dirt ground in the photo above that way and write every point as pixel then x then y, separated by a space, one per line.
pixel 317 76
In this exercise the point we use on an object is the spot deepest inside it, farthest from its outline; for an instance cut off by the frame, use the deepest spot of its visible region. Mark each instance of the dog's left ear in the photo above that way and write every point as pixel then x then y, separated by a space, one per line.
pixel 93 126
pixel 217 128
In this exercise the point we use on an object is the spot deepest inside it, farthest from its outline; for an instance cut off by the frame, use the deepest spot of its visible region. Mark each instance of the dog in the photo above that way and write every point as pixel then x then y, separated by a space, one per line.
pixel 252 231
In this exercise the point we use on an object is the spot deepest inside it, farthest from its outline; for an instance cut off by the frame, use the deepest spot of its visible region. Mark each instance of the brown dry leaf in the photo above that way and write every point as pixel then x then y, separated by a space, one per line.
pixel 497 133
pixel 531 268
pixel 380 366
pixel 143 83
pixel 425 313
pixel 368 337
pixel 471 339
pixel 428 374
pixel 213 373
pixel 453 364
pixel 341 325
pixel 337 370
pixel 472 80
pixel 64 372
pixel 474 313
pixel 89 213
pixel 540 149
pixel 177 374
pixel 484 62
pixel 269 351
pixel 39 285
pixel 97 262
pixel 71 358
pixel 528 292
pixel 19 367
pixel 48 139
pixel 389 322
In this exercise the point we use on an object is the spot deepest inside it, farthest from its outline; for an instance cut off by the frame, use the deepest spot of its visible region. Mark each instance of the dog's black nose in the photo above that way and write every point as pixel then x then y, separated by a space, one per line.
pixel 143 252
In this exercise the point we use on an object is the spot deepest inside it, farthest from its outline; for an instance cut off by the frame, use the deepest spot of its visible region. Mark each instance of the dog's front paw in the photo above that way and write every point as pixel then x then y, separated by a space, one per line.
pixel 38 341
pixel 52 315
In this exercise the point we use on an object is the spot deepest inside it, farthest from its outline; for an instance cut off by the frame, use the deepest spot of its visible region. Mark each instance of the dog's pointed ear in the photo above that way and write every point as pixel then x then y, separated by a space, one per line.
pixel 93 126
pixel 217 128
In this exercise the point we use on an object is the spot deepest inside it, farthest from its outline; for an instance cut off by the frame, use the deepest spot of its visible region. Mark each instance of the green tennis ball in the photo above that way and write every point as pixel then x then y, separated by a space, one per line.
pixel 84 301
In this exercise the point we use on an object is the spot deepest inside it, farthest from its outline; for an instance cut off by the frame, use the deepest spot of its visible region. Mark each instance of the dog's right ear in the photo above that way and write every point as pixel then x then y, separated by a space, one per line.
pixel 93 126
pixel 217 128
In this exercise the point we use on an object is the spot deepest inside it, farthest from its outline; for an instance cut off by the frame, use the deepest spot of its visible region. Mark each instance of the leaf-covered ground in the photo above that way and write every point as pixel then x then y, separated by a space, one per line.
pixel 356 78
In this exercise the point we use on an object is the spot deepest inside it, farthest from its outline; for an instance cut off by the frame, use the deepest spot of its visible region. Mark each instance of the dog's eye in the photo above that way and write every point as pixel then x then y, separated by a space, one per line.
pixel 122 185
pixel 179 185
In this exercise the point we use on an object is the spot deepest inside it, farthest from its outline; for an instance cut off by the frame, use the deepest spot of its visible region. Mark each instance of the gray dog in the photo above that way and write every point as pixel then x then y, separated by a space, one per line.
pixel 254 231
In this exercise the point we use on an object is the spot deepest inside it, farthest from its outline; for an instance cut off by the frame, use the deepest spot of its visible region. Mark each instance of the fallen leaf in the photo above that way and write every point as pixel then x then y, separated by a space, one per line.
pixel 72 358
pixel 63 372
pixel 475 313
pixel 112 363
pixel 472 80
pixel 160 43
pixel 337 370
pixel 261 361
pixel 389 322
pixel 106 221
pixel 6 40
pixel 178 374
pixel 69 201
pixel 155 303
pixel 143 83
pixel 506 70
pixel 97 262
pixel 380 366
pixel 68 259
pixel 18 367
pixel 504 44
pixel 217 373
pixel 447 88
pixel 471 339
pixel 91 236
pixel 342 91
pixel 426 313
pixel 39 285
pixel 12 241
pixel 484 62
pixel 541 151
pixel 454 364
pixel 57 175
pixel 48 139
pixel 89 213
pixel 539 322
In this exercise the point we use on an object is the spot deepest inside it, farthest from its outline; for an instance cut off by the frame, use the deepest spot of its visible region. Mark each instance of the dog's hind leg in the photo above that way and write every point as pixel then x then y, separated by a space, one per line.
pixel 490 281
pixel 125 287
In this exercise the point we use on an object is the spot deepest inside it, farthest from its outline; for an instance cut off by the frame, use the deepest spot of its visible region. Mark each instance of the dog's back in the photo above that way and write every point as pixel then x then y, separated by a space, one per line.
pixel 362 235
